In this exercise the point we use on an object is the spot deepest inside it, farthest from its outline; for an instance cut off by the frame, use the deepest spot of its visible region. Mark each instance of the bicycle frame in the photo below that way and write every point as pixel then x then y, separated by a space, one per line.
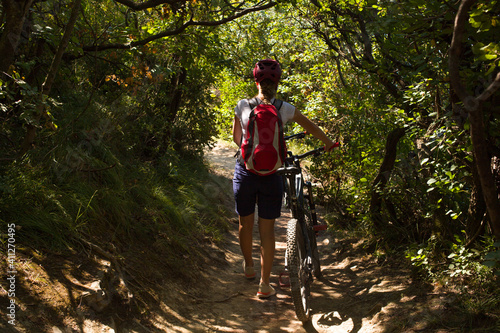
pixel 292 171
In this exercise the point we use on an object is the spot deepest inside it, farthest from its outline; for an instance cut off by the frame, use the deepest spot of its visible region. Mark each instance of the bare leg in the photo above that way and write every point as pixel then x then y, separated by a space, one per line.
pixel 246 239
pixel 267 248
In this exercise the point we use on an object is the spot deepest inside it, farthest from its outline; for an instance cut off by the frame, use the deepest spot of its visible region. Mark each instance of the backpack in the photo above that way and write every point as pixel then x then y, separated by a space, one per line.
pixel 263 150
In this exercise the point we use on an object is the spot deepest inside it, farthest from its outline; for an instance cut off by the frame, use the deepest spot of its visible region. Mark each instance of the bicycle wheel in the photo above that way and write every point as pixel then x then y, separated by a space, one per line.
pixel 297 269
pixel 312 234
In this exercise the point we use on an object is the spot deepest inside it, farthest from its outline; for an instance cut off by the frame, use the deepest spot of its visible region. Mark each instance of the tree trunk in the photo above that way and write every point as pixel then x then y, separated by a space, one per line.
pixel 176 91
pixel 383 177
pixel 483 162
pixel 474 106
pixel 14 13
pixel 51 75
pixel 176 83
pixel 477 206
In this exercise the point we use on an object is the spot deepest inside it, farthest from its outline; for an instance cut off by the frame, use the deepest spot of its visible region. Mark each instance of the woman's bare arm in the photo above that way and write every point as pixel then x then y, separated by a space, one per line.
pixel 237 131
pixel 313 129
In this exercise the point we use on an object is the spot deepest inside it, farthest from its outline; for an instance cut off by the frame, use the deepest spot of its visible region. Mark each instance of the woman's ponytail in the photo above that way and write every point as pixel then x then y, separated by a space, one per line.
pixel 268 90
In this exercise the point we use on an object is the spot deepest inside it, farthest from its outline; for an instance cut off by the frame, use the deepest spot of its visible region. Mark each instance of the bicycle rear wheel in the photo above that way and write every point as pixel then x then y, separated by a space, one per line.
pixel 300 279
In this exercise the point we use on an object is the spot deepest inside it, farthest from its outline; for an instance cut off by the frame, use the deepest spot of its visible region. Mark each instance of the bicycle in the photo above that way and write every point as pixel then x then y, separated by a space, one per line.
pixel 301 256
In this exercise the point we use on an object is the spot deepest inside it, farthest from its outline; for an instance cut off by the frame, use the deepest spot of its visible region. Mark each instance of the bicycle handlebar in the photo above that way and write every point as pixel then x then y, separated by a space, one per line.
pixel 300 135
pixel 314 152
pixel 293 168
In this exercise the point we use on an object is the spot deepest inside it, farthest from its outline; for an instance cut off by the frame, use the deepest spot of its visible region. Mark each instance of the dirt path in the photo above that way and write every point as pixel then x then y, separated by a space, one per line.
pixel 357 294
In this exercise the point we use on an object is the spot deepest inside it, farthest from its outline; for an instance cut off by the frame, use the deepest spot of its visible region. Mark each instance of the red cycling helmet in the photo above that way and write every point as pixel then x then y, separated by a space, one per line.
pixel 267 69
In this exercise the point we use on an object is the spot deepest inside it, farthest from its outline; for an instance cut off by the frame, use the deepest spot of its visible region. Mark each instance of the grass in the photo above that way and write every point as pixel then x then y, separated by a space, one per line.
pixel 53 208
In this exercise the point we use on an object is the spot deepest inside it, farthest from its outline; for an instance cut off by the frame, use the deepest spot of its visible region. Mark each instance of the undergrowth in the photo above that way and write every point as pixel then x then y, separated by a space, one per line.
pixel 464 270
pixel 119 203
pixel 105 177
pixel 469 273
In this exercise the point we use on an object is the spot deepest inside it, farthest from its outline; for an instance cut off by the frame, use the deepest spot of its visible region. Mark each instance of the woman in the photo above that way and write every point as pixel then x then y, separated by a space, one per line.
pixel 265 191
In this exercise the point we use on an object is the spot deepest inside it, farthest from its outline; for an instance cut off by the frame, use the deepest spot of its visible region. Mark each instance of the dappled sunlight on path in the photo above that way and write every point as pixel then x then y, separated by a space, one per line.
pixel 356 293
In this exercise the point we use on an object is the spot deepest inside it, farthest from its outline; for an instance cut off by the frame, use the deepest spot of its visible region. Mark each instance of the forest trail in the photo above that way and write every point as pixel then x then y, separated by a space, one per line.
pixel 357 294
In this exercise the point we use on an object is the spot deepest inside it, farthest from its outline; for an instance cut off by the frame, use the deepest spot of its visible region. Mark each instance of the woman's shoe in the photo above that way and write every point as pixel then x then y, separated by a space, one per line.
pixel 248 271
pixel 265 291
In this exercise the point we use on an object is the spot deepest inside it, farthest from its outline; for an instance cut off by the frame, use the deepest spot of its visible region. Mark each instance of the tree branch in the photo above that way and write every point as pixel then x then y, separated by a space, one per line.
pixel 382 178
pixel 147 4
pixel 492 88
pixel 339 70
pixel 456 48
pixel 176 31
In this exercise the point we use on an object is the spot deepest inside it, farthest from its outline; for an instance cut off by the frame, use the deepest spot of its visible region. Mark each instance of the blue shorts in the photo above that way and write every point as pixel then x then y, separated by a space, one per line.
pixel 250 189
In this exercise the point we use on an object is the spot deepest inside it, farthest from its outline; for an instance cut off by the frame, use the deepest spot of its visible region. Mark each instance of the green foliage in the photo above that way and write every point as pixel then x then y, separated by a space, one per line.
pixel 465 262
pixel 20 105
pixel 53 206
pixel 31 202
pixel 424 257
pixel 133 119
pixel 228 92
pixel 485 24
pixel 462 266
pixel 125 160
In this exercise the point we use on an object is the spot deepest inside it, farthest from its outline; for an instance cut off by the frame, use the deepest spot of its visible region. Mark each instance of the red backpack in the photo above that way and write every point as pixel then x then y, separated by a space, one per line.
pixel 263 149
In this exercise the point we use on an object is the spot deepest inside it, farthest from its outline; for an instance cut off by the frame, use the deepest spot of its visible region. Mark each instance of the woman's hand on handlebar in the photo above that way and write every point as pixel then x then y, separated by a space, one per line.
pixel 330 145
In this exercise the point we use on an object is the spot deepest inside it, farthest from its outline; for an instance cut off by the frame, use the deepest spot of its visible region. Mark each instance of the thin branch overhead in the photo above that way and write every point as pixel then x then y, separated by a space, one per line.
pixel 237 12
pixel 148 4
